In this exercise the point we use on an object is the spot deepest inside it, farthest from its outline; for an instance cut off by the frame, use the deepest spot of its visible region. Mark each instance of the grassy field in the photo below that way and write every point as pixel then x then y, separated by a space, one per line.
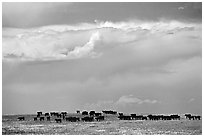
pixel 110 126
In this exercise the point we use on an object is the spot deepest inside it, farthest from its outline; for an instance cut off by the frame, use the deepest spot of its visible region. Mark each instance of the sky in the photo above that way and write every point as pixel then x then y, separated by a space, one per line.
pixel 129 57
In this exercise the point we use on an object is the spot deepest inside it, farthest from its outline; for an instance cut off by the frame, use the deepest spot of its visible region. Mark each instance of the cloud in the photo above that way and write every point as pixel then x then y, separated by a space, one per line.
pixel 68 42
pixel 181 8
pixel 134 100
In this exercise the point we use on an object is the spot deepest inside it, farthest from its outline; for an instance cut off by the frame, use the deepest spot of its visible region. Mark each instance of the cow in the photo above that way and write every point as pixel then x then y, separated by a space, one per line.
pixel 48 118
pixel 109 112
pixel 39 113
pixel 58 120
pixel 99 118
pixel 42 118
pixel 124 117
pixel 89 119
pixel 35 118
pixel 47 114
pixel 98 114
pixel 175 117
pixel 59 115
pixel 21 118
pixel 72 119
pixel 197 117
pixel 120 114
pixel 92 113
pixel 132 115
pixel 78 112
pixel 84 113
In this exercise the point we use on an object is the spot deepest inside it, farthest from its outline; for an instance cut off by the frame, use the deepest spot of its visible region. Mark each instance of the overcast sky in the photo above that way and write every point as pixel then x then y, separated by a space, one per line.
pixel 129 57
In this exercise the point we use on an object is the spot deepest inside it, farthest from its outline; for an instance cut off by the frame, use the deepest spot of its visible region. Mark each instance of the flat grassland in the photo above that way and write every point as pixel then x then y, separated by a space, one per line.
pixel 110 126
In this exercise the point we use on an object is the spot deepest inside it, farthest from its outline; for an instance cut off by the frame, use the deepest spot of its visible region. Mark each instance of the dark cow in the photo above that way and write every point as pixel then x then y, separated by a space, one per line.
pixel 133 116
pixel 72 119
pixel 92 113
pixel 21 118
pixel 59 115
pixel 124 117
pixel 58 120
pixel 98 114
pixel 109 112
pixel 120 114
pixel 47 114
pixel 42 118
pixel 35 118
pixel 175 117
pixel 187 116
pixel 87 119
pixel 48 118
pixel 63 114
pixel 78 112
pixel 85 113
pixel 197 117
pixel 99 118
pixel 39 114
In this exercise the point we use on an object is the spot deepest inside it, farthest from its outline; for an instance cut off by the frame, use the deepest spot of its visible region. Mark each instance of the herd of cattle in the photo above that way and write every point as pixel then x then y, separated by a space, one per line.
pixel 92 115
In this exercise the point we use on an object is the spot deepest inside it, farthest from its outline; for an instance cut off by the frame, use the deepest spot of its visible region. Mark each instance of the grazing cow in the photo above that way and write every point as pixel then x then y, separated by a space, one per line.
pixel 124 117
pixel 144 118
pixel 21 118
pixel 47 114
pixel 197 117
pixel 85 113
pixel 42 118
pixel 132 115
pixel 59 115
pixel 109 112
pixel 35 118
pixel 63 114
pixel 91 113
pixel 120 114
pixel 78 112
pixel 39 114
pixel 89 119
pixel 58 120
pixel 99 118
pixel 98 114
pixel 187 116
pixel 72 119
pixel 48 118
pixel 175 117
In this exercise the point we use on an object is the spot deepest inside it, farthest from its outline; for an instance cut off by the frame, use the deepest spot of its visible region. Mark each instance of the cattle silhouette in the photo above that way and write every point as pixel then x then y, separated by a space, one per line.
pixel 72 119
pixel 35 119
pixel 87 119
pixel 21 118
pixel 197 117
pixel 58 120
pixel 120 114
pixel 99 118
pixel 175 117
pixel 85 113
pixel 78 112
pixel 48 118
pixel 123 117
pixel 191 117
pixel 109 112
pixel 98 114
pixel 47 114
pixel 39 113
pixel 92 113
pixel 42 118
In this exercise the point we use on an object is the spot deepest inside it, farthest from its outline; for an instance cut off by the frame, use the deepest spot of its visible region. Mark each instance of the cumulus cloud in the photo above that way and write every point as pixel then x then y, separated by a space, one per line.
pixel 68 42
pixel 129 99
